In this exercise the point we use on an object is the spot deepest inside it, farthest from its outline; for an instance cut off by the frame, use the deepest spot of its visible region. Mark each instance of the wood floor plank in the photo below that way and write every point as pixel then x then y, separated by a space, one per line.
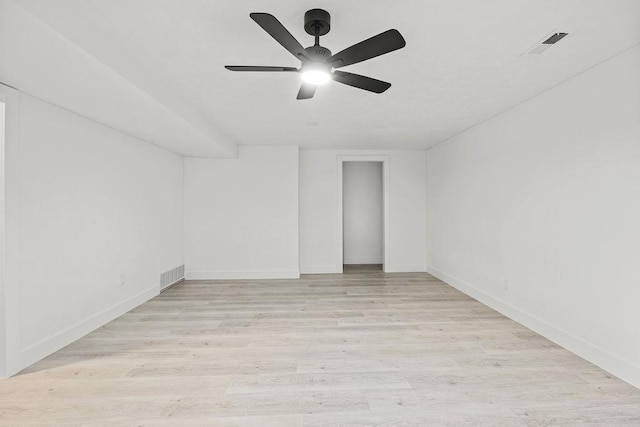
pixel 362 348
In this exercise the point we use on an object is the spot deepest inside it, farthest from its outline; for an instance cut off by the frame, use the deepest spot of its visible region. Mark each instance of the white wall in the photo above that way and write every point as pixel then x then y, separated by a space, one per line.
pixel 536 212
pixel 241 215
pixel 85 204
pixel 362 206
pixel 320 213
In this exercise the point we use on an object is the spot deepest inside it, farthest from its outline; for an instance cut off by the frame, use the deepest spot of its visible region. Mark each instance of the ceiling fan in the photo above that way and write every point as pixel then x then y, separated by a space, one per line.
pixel 318 63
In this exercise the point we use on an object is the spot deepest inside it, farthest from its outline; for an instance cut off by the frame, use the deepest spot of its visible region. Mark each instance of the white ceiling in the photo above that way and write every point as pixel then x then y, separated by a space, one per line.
pixel 39 61
pixel 462 63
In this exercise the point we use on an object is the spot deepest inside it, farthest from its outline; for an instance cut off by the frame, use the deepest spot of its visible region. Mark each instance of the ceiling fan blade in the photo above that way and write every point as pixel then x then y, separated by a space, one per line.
pixel 361 82
pixel 271 25
pixel 306 91
pixel 378 45
pixel 258 68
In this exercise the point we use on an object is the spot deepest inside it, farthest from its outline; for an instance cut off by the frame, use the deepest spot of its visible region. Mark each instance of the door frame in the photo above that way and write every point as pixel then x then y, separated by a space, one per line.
pixel 9 309
pixel 385 206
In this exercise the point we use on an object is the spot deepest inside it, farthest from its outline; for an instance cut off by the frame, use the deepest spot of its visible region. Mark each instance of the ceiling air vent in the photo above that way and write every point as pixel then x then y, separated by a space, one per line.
pixel 546 43
pixel 555 38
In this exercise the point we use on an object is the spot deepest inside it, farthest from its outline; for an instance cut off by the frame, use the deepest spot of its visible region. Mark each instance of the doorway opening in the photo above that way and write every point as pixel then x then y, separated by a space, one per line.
pixel 363 216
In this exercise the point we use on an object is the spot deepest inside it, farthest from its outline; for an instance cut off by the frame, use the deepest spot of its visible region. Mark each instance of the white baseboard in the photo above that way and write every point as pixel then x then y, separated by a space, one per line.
pixel 356 260
pixel 622 369
pixel 47 346
pixel 405 268
pixel 333 269
pixel 320 269
pixel 232 275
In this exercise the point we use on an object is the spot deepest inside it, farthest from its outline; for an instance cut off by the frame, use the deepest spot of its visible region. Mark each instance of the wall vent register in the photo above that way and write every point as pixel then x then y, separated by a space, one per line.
pixel 171 277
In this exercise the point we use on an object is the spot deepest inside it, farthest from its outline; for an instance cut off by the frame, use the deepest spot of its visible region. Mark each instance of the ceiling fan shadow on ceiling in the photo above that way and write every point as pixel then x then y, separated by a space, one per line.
pixel 318 64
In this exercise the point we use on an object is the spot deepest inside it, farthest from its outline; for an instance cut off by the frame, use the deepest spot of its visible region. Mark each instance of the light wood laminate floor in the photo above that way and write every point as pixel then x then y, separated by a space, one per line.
pixel 359 349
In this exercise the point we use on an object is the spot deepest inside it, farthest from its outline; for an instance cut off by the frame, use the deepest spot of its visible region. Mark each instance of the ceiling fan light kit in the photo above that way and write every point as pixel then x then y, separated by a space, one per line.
pixel 315 76
pixel 318 65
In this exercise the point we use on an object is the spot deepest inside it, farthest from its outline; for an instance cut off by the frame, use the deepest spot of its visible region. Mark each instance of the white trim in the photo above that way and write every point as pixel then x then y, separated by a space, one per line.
pixel 320 269
pixel 3 323
pixel 623 369
pixel 406 268
pixel 9 279
pixel 162 288
pixel 45 347
pixel 298 209
pixel 385 201
pixel 233 275
pixel 376 260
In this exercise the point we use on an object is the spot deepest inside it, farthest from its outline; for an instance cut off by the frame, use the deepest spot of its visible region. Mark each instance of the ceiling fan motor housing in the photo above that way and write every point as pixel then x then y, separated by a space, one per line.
pixel 317 60
pixel 318 53
pixel 317 19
